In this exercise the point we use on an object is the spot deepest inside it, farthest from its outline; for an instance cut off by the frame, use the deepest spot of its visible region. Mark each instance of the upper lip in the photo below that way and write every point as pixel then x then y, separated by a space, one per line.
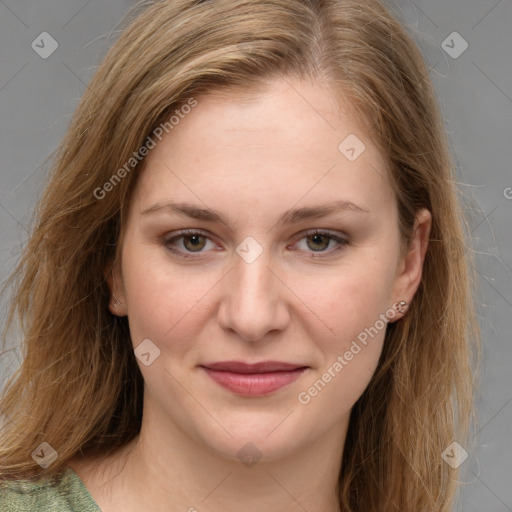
pixel 262 367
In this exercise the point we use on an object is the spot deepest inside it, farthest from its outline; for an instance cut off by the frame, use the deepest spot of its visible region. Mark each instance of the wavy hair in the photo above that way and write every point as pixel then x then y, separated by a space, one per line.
pixel 79 387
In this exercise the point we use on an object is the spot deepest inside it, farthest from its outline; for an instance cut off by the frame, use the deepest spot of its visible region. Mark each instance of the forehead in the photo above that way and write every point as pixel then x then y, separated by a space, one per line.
pixel 291 139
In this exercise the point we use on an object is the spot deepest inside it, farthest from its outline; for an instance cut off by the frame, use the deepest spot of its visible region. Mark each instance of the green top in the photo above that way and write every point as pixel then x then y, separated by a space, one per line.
pixel 68 495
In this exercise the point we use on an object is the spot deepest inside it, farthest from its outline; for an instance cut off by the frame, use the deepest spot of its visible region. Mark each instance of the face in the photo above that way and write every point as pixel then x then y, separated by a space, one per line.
pixel 259 232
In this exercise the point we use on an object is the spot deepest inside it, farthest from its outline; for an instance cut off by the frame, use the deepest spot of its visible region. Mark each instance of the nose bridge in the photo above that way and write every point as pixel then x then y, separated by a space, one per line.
pixel 252 302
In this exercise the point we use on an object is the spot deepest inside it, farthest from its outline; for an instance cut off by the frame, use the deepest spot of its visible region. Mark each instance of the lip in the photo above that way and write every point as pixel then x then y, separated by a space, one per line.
pixel 253 379
pixel 261 367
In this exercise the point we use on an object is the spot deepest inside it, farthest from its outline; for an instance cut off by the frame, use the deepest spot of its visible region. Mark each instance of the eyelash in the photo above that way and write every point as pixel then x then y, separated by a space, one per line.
pixel 315 254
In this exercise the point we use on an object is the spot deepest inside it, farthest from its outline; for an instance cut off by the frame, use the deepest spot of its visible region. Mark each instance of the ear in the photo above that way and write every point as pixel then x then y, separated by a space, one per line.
pixel 117 302
pixel 410 267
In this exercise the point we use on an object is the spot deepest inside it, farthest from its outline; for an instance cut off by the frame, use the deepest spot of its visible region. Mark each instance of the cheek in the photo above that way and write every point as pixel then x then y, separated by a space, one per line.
pixel 347 302
pixel 353 306
pixel 349 360
pixel 163 301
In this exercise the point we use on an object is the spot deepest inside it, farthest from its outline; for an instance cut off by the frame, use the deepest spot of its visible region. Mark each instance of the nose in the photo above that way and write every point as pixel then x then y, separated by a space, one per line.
pixel 253 301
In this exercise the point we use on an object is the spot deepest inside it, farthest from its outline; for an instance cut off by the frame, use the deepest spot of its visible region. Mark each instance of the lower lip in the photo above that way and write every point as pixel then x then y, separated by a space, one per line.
pixel 254 384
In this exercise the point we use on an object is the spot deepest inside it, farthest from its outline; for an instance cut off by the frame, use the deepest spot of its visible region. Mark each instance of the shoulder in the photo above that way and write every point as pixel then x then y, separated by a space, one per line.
pixel 66 493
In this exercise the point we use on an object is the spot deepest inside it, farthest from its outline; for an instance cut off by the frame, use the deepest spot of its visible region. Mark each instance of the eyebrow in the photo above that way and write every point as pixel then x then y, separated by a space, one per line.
pixel 292 216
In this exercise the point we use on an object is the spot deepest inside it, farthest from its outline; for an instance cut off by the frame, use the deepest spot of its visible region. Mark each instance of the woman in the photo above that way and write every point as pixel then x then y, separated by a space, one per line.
pixel 247 285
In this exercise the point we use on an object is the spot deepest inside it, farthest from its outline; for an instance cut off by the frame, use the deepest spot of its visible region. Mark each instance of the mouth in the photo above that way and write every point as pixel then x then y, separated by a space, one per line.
pixel 253 379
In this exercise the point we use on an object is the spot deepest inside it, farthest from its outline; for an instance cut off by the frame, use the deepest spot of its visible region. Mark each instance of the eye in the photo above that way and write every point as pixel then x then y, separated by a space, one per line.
pixel 188 242
pixel 318 241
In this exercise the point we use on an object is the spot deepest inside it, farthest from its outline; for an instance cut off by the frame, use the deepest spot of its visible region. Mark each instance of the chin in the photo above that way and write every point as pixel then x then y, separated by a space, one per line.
pixel 251 442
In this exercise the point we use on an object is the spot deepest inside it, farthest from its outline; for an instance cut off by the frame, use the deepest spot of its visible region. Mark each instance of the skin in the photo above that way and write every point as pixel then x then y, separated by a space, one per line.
pixel 252 161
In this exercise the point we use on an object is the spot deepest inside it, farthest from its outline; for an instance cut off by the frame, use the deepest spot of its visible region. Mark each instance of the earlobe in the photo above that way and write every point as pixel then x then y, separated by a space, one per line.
pixel 411 268
pixel 401 306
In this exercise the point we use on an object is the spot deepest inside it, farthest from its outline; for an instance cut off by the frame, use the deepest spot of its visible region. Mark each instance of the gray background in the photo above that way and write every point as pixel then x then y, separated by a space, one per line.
pixel 38 96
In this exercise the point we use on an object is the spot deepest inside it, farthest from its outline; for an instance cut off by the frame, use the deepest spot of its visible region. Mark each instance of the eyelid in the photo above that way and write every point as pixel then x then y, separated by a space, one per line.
pixel 320 231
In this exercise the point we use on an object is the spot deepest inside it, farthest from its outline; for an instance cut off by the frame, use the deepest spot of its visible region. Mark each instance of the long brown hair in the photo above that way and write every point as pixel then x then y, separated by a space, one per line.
pixel 79 387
